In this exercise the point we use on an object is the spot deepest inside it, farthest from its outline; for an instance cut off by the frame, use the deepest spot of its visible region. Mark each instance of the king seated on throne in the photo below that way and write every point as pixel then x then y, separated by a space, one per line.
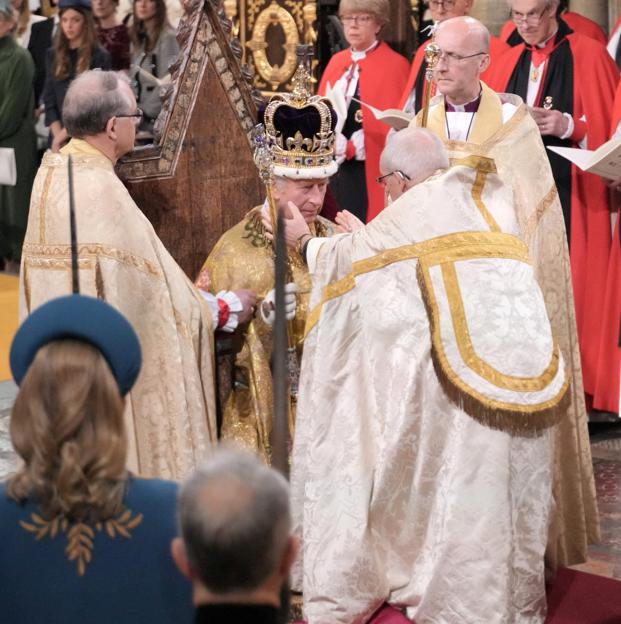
pixel 299 128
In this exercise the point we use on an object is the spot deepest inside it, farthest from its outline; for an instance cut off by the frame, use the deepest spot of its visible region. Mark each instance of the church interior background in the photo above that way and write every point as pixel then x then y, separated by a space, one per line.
pixel 268 33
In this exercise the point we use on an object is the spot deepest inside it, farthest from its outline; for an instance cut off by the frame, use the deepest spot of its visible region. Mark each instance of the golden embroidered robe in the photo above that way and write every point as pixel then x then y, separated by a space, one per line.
pixel 522 163
pixel 243 258
pixel 170 412
pixel 410 484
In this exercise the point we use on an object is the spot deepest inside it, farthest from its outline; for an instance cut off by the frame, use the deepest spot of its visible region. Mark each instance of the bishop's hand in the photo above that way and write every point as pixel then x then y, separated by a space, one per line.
pixel 295 225
pixel 347 222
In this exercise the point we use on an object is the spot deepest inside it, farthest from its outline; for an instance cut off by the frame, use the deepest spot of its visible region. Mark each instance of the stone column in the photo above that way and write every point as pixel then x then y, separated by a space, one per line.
pixel 597 10
pixel 614 10
pixel 493 13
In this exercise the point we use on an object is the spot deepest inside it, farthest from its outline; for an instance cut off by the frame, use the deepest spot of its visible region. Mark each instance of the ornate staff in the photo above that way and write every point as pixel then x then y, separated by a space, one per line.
pixel 281 336
pixel 432 56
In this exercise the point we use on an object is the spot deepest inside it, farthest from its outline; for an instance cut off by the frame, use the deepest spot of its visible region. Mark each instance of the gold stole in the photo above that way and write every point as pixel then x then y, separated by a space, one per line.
pixel 487 120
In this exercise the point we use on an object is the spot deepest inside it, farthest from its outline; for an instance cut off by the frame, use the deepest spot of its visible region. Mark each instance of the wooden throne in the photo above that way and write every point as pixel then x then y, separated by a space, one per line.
pixel 198 178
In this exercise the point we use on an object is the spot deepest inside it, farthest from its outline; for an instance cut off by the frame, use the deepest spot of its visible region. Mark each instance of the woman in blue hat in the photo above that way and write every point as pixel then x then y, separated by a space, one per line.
pixel 74 50
pixel 82 540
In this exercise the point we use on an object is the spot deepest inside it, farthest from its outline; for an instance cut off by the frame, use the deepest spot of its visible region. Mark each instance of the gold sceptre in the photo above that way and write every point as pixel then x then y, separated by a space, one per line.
pixel 432 56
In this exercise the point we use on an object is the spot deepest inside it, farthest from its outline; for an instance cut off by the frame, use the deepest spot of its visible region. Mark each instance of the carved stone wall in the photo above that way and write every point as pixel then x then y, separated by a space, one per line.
pixel 493 13
pixel 597 10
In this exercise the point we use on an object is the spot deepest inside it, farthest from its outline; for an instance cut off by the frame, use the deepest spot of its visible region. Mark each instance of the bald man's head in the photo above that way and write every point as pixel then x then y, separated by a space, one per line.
pixel 464 46
pixel 467 29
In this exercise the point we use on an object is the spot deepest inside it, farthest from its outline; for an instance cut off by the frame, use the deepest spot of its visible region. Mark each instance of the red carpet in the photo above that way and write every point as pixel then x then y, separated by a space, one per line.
pixel 575 598
pixel 581 598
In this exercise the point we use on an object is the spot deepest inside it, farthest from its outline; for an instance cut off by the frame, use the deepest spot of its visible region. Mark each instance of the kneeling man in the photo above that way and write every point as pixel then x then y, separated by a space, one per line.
pixel 424 476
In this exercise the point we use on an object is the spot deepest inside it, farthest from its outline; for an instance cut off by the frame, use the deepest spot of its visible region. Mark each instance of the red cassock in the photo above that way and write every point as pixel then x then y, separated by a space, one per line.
pixel 382 76
pixel 606 395
pixel 595 77
pixel 496 49
pixel 578 23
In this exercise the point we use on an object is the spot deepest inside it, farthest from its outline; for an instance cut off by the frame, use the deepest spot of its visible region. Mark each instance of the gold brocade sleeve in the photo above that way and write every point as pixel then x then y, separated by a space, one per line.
pixel 243 258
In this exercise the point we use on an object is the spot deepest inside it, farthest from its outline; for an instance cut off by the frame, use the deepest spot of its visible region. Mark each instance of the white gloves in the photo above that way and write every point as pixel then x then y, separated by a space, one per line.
pixel 356 148
pixel 268 311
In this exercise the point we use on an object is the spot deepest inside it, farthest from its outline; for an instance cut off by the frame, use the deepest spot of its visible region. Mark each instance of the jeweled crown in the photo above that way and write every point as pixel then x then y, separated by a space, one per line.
pixel 299 128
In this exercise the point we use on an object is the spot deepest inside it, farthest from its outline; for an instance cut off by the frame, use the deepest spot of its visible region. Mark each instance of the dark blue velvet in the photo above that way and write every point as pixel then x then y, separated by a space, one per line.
pixel 128 581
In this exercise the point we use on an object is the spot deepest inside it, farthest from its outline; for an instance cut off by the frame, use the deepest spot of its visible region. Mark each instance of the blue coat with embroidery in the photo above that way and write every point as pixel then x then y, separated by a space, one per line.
pixel 116 572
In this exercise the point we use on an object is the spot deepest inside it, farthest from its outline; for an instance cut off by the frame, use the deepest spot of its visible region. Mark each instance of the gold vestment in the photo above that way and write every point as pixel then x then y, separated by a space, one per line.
pixel 244 258
pixel 170 413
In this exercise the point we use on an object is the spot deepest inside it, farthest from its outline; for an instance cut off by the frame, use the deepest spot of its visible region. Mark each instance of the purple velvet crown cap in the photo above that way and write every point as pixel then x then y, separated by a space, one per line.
pixel 289 120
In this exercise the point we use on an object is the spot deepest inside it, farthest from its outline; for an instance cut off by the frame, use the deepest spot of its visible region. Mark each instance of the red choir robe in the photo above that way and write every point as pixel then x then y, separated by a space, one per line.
pixel 578 23
pixel 587 91
pixel 606 396
pixel 416 79
pixel 382 76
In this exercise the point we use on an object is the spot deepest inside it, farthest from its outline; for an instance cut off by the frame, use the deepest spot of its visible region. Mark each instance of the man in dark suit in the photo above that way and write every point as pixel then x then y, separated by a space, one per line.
pixel 236 545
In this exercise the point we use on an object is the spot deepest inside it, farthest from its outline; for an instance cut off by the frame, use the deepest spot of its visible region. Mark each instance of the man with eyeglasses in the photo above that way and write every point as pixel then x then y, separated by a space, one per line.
pixel 413 95
pixel 416 487
pixel 171 409
pixel 578 23
pixel 501 127
pixel 568 80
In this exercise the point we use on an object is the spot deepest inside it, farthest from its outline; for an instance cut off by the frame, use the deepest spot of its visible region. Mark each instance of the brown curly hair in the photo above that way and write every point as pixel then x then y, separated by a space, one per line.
pixel 67 426
pixel 62 67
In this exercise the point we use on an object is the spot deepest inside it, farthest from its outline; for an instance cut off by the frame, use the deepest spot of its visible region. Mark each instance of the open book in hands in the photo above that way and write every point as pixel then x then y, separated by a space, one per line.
pixel 393 117
pixel 605 161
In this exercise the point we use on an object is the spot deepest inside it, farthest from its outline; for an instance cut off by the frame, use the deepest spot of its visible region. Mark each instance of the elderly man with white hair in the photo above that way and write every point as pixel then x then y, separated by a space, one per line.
pixel 431 384
pixel 300 128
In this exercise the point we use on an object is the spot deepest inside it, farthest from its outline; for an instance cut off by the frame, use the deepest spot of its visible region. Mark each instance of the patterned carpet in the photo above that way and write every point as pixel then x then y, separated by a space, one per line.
pixel 605 558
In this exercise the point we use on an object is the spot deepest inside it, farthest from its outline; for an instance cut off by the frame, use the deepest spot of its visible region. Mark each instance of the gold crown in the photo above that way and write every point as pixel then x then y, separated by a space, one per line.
pixel 298 127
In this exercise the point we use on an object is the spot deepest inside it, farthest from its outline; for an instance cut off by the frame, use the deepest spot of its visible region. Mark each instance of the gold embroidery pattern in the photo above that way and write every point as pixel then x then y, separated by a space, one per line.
pixel 466 348
pixel 80 535
pixel 514 418
pixel 59 257
pixel 483 166
pixel 43 203
pixel 451 247
pixel 533 220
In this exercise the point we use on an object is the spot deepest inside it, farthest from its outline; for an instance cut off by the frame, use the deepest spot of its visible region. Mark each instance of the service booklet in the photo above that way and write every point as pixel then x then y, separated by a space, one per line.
pixel 605 161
